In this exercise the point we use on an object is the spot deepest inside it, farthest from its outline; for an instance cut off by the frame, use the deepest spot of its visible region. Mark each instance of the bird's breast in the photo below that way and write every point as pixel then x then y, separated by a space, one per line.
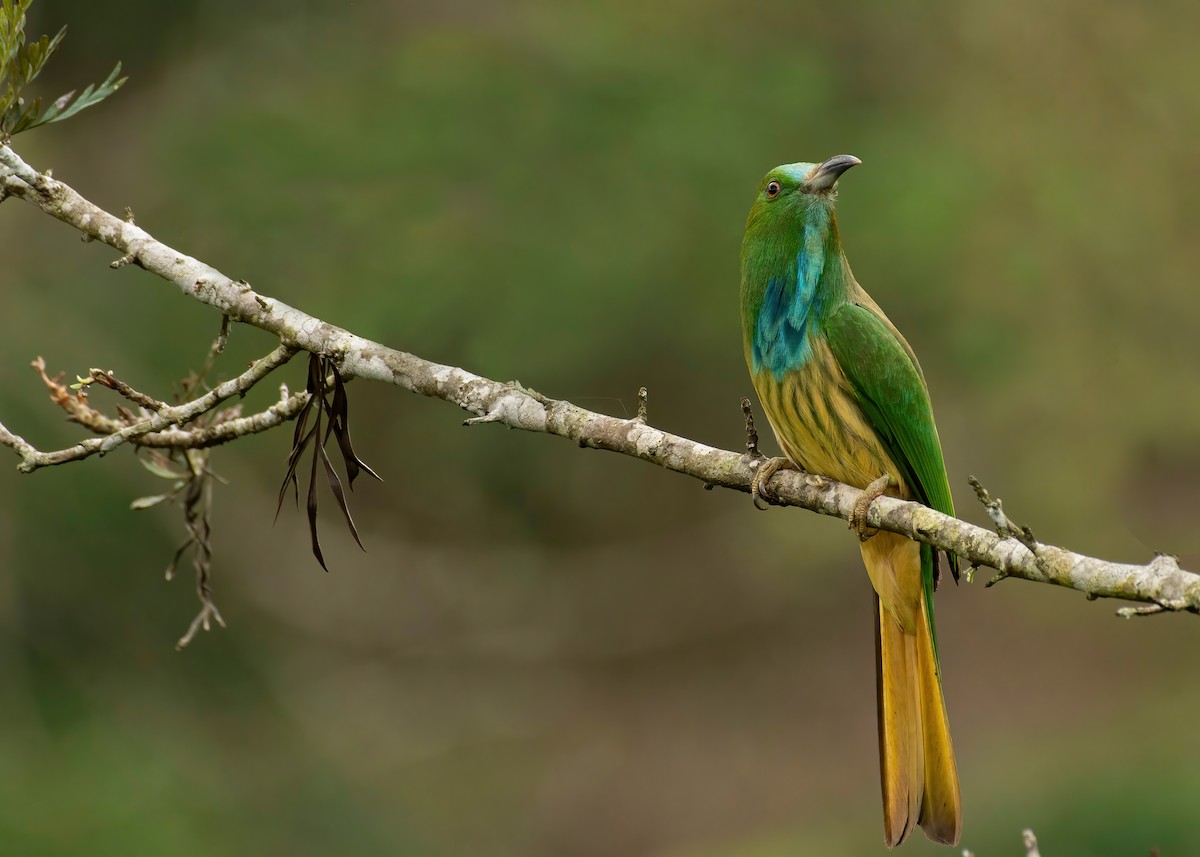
pixel 819 424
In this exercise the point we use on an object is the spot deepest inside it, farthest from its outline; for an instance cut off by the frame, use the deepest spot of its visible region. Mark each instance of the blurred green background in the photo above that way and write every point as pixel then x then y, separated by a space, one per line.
pixel 548 651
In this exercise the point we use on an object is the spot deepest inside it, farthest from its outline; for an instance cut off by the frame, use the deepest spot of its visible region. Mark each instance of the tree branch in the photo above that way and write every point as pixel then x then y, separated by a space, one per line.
pixel 229 425
pixel 1160 584
pixel 164 417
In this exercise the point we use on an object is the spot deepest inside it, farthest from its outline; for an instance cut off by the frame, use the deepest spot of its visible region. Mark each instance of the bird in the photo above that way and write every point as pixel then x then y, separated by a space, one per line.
pixel 847 400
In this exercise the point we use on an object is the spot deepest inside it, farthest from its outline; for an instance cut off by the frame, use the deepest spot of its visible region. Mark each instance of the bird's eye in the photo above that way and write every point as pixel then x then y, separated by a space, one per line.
pixel 773 189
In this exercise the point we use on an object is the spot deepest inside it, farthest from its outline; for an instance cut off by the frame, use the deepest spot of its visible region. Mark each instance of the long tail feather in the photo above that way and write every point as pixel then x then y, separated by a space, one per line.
pixel 901 756
pixel 941 808
pixel 916 759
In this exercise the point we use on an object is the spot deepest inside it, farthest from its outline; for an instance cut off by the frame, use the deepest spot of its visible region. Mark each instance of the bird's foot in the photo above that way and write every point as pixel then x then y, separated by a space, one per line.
pixel 858 517
pixel 762 476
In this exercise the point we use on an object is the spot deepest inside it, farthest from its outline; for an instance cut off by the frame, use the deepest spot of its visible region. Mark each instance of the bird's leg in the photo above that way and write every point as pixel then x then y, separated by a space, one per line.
pixel 762 475
pixel 858 517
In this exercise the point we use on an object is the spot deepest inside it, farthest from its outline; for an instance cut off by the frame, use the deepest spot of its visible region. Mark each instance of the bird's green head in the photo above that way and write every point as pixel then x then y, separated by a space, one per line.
pixel 792 262
pixel 794 193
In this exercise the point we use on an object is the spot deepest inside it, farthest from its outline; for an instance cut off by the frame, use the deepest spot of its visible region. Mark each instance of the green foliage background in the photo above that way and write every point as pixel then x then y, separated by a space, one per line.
pixel 555 652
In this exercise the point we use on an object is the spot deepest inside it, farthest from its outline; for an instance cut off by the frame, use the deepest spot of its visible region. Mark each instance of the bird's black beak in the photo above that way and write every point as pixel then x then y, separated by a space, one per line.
pixel 825 175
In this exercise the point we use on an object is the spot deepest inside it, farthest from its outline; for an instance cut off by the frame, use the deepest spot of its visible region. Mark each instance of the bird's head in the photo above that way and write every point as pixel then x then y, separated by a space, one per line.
pixel 792 192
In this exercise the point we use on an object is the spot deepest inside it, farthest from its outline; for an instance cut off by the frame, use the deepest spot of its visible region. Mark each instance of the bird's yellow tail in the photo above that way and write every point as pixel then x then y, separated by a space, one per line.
pixel 916 759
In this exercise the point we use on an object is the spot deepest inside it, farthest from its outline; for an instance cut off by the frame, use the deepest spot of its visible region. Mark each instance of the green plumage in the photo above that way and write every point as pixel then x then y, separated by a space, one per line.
pixel 890 388
pixel 847 399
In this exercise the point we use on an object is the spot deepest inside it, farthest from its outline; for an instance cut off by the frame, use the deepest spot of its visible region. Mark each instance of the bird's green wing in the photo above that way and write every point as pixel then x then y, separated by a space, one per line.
pixel 892 395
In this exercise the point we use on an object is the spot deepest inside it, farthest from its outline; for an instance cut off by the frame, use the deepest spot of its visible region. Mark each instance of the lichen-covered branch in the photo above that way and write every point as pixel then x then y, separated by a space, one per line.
pixel 1160 584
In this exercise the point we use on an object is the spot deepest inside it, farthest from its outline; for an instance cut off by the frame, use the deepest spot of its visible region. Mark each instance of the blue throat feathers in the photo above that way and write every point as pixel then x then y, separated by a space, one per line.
pixel 790 310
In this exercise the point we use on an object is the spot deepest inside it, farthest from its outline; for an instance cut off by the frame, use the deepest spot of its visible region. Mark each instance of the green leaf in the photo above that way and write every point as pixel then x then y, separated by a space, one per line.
pixel 12 33
pixel 33 58
pixel 21 63
pixel 161 471
pixel 147 502
pixel 64 108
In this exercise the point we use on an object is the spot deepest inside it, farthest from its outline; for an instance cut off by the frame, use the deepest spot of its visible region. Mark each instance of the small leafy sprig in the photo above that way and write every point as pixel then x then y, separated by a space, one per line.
pixel 21 62
pixel 193 488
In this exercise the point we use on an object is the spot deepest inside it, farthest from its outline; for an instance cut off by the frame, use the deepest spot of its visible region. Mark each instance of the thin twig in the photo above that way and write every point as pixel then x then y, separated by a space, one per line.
pixel 227 430
pixel 108 379
pixel 751 432
pixel 215 350
pixel 1005 527
pixel 229 424
pixel 32 459
pixel 1031 846
pixel 1148 610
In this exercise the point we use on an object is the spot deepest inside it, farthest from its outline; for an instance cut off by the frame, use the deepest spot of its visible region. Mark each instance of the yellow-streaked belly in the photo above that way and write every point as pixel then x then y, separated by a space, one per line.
pixel 820 426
